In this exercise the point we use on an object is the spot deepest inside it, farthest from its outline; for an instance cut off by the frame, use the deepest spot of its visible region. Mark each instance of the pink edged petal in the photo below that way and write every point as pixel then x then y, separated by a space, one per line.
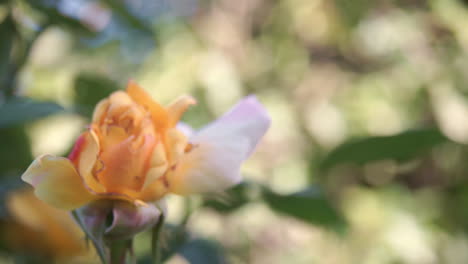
pixel 248 119
pixel 56 182
pixel 214 160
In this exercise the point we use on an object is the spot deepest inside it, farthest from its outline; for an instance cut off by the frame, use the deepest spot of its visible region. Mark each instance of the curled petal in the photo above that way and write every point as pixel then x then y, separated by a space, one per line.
pixel 177 108
pixel 84 157
pixel 57 183
pixel 213 161
pixel 100 111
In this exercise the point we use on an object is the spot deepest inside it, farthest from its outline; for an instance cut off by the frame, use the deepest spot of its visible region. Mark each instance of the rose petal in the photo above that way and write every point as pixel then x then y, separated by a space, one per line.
pixel 57 183
pixel 177 108
pixel 186 129
pixel 158 113
pixel 84 157
pixel 219 149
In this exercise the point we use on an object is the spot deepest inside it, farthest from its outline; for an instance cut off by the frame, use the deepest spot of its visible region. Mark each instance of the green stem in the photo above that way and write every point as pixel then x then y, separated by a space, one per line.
pixel 156 240
pixel 119 250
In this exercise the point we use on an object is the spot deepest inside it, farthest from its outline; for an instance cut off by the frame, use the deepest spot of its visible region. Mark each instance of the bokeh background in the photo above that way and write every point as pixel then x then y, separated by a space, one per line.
pixel 366 159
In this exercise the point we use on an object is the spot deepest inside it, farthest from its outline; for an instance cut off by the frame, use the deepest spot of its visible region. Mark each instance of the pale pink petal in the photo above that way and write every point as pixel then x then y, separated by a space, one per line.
pixel 219 149
pixel 185 128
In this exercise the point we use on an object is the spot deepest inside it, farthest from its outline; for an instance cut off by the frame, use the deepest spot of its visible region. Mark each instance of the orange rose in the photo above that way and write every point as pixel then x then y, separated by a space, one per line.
pixel 134 151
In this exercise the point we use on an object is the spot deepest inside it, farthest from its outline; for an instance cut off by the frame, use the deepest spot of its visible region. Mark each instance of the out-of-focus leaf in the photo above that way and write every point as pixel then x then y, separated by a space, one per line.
pixel 119 8
pixel 201 251
pixel 90 89
pixel 194 251
pixel 19 110
pixel 400 147
pixel 309 205
pixel 7 36
pixel 15 151
pixel 353 11
pixel 200 114
pixel 232 200
pixel 174 237
pixel 54 16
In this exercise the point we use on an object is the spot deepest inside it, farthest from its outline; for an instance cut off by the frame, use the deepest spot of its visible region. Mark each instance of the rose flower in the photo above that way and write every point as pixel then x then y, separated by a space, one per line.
pixel 134 152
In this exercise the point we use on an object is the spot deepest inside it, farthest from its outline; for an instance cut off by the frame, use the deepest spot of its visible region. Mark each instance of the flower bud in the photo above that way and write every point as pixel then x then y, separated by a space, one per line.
pixel 106 220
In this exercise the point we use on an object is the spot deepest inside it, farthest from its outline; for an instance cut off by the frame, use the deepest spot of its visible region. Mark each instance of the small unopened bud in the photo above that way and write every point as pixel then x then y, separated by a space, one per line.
pixel 117 220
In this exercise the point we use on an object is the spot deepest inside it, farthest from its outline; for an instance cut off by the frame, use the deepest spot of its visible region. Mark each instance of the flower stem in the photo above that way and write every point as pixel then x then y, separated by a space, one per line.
pixel 156 240
pixel 119 250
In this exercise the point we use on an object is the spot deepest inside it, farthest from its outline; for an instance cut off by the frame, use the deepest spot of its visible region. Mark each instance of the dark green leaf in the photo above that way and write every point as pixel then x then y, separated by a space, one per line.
pixel 15 151
pixel 310 206
pixel 19 110
pixel 201 251
pixel 400 147
pixel 7 37
pixel 90 89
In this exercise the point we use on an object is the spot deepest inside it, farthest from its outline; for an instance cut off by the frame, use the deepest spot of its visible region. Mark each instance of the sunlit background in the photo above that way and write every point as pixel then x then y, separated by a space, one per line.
pixel 366 159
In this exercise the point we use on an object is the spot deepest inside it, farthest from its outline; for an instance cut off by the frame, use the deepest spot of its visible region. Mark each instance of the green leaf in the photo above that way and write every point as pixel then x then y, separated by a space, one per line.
pixel 309 205
pixel 7 36
pixel 20 110
pixel 201 251
pixel 400 147
pixel 90 89
pixel 232 200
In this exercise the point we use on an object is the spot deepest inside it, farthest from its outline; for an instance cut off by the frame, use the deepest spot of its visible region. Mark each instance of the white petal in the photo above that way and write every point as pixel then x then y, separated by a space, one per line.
pixel 213 164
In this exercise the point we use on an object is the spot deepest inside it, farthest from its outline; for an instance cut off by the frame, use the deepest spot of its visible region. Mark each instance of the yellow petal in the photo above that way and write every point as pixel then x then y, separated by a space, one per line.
pixel 84 157
pixel 177 108
pixel 119 102
pixel 158 113
pixel 176 142
pixel 158 165
pixel 36 218
pixel 57 183
pixel 100 110
pixel 154 191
